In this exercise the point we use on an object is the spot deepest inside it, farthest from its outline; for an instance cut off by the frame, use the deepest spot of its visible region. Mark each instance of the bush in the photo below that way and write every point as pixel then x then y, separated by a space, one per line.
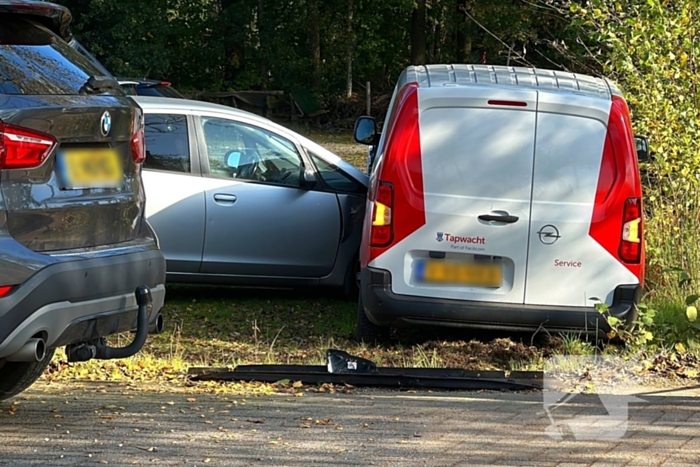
pixel 649 48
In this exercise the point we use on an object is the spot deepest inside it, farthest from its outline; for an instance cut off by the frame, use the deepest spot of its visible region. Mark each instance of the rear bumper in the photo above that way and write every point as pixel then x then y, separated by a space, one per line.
pixel 76 301
pixel 385 308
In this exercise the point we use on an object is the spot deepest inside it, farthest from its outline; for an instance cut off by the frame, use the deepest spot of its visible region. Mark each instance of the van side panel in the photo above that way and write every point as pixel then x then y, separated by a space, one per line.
pixel 567 267
pixel 476 159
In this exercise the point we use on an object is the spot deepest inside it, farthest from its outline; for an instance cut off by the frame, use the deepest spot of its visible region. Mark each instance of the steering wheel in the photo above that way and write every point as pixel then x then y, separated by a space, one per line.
pixel 284 174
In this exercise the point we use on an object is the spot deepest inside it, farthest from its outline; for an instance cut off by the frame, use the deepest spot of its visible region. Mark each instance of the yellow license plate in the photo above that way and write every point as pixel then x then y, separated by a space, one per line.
pixel 91 168
pixel 472 274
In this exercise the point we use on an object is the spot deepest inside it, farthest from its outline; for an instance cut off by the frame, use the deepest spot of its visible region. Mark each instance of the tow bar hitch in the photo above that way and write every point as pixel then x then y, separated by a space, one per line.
pixel 99 349
pixel 343 368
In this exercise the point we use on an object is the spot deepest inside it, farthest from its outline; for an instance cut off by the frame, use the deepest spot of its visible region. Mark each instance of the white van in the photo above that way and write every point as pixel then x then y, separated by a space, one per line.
pixel 502 198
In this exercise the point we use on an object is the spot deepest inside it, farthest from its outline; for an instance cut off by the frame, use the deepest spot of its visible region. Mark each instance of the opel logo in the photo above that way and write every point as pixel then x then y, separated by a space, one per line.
pixel 105 124
pixel 549 234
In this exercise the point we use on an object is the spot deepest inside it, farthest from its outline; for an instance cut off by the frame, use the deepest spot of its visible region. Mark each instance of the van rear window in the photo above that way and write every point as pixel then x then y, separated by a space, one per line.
pixel 35 61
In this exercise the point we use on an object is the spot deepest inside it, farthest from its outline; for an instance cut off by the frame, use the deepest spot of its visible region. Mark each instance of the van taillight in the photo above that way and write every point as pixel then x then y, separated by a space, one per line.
pixel 632 231
pixel 617 219
pixel 382 230
pixel 398 208
pixel 138 139
pixel 22 148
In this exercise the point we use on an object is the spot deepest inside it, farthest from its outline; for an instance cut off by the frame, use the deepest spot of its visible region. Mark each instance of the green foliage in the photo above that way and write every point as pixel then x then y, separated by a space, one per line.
pixel 636 334
pixel 650 48
pixel 211 45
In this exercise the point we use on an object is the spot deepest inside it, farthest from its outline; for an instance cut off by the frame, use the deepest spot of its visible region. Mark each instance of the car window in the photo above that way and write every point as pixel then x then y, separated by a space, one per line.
pixel 33 60
pixel 129 89
pixel 169 91
pixel 167 143
pixel 246 152
pixel 335 178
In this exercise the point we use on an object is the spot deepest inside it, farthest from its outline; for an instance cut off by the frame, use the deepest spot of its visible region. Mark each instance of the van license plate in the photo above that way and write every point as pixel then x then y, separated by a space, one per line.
pixel 472 274
pixel 90 168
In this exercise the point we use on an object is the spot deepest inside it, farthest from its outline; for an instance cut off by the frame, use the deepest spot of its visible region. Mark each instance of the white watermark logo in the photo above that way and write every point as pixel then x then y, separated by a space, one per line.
pixel 587 397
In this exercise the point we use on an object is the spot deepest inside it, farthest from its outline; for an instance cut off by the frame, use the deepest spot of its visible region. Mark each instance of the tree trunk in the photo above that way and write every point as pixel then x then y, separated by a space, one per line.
pixel 418 34
pixel 351 44
pixel 262 40
pixel 234 54
pixel 314 44
pixel 464 37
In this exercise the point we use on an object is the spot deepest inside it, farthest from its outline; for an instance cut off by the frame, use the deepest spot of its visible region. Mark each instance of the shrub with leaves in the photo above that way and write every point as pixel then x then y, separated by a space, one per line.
pixel 650 48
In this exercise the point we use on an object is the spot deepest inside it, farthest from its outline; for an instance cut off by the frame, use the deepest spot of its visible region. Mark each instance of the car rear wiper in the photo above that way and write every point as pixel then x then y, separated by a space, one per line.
pixel 99 84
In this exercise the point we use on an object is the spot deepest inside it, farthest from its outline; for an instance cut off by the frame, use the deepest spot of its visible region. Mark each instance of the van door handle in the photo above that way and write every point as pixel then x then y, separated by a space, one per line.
pixel 224 199
pixel 496 218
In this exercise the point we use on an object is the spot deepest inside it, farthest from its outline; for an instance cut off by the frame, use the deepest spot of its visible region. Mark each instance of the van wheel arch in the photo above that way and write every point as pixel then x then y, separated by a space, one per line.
pixel 365 330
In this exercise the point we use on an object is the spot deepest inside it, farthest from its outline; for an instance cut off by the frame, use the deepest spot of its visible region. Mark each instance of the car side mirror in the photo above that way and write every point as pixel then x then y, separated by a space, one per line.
pixel 308 178
pixel 642 148
pixel 366 130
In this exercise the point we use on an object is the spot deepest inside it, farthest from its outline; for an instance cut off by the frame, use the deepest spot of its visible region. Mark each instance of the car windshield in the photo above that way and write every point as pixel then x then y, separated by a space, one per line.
pixel 33 60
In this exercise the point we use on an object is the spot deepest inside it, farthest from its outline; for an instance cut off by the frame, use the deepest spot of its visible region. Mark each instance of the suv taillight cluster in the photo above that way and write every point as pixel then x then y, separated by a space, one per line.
pixel 22 148
pixel 138 139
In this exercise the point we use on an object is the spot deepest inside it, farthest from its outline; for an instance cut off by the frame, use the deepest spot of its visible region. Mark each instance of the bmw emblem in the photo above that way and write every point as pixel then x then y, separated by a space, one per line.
pixel 106 124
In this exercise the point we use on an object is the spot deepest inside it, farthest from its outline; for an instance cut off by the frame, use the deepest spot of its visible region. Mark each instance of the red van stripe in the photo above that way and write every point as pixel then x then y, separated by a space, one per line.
pixel 402 166
pixel 618 181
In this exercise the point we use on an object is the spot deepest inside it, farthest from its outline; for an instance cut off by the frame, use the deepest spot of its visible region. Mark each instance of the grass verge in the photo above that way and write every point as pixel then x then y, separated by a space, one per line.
pixel 225 327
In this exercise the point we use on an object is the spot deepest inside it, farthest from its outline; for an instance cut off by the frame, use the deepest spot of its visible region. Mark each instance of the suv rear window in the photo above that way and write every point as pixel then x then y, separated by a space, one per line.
pixel 35 61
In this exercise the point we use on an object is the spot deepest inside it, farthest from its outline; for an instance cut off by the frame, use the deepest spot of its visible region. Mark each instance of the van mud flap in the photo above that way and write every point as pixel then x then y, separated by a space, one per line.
pixel 343 368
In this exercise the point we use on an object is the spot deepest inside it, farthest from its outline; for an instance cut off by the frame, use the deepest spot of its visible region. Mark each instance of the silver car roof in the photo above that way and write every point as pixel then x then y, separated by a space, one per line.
pixel 166 104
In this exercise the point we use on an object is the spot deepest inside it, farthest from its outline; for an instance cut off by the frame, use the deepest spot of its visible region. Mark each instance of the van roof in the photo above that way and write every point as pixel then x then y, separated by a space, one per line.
pixel 488 75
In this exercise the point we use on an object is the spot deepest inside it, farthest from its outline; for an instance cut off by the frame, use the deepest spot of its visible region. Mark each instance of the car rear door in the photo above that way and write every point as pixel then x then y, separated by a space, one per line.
pixel 174 189
pixel 258 223
pixel 477 149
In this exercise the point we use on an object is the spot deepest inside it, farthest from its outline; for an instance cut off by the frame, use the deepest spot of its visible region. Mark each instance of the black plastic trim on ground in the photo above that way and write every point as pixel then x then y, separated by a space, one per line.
pixel 344 368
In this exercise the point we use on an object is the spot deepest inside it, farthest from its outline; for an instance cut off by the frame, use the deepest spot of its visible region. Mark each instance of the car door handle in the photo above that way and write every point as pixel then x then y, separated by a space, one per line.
pixel 496 218
pixel 224 199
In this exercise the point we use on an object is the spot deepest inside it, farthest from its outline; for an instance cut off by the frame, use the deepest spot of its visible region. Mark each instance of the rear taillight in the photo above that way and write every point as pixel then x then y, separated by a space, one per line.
pixel 632 231
pixel 382 230
pixel 22 148
pixel 617 220
pixel 5 289
pixel 138 139
pixel 397 190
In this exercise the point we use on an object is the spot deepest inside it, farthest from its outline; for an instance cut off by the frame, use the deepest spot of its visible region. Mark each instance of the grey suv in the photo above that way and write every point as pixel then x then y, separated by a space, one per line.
pixel 78 261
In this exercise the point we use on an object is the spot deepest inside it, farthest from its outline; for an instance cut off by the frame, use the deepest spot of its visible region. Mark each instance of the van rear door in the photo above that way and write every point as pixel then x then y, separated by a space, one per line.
pixel 567 266
pixel 477 146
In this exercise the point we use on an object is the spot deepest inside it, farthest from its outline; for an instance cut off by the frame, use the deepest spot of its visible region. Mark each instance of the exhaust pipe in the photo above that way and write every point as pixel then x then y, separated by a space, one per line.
pixel 157 326
pixel 33 351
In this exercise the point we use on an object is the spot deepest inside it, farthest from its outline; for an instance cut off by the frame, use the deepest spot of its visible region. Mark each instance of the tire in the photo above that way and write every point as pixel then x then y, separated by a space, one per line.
pixel 365 330
pixel 15 377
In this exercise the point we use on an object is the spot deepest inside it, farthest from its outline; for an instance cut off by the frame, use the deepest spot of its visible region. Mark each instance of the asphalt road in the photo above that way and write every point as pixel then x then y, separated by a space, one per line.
pixel 66 425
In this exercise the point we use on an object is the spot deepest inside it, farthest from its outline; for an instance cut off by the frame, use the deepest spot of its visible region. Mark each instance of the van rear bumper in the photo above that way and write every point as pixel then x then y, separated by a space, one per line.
pixel 385 308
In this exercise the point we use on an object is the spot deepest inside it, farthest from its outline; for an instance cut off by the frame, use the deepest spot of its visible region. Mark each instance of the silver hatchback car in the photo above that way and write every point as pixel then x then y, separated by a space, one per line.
pixel 238 200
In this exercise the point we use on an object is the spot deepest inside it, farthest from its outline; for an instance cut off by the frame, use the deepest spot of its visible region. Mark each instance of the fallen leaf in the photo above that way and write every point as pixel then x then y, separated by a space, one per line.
pixel 191 399
pixel 251 420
